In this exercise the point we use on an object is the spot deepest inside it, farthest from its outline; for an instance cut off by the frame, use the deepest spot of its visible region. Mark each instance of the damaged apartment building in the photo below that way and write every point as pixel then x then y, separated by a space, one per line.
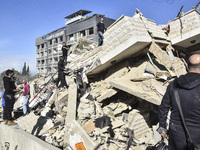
pixel 48 46
pixel 114 90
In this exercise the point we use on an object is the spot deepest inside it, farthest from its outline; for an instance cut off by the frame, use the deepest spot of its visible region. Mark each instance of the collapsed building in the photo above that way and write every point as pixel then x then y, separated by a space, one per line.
pixel 115 89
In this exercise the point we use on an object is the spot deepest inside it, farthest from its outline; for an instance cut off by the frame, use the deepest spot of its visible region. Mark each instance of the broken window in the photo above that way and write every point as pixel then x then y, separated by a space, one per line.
pixel 55 40
pixel 43 62
pixel 50 42
pixel 43 45
pixel 42 54
pixel 49 51
pixel 82 33
pixel 91 31
pixel 71 37
pixel 61 38
pixel 38 46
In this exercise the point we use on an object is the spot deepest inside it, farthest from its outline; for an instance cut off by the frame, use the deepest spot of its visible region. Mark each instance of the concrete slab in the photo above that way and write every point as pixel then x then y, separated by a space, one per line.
pixel 77 134
pixel 107 94
pixel 135 88
pixel 71 110
pixel 35 124
pixel 121 52
pixel 21 140
pixel 185 29
pixel 72 103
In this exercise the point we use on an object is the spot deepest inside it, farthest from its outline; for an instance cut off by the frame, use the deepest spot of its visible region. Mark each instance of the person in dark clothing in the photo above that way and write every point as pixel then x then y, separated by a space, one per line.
pixel 61 74
pixel 100 29
pixel 65 49
pixel 10 90
pixel 188 86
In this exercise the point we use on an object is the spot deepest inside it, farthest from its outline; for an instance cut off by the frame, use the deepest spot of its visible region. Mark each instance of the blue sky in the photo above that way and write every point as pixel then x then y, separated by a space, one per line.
pixel 21 21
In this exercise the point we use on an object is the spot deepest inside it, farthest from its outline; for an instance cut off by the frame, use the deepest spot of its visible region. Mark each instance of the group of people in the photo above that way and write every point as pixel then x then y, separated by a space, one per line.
pixel 8 97
pixel 100 29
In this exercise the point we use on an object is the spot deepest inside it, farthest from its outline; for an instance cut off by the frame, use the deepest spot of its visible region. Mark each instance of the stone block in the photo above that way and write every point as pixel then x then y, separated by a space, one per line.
pixel 89 126
pixel 138 123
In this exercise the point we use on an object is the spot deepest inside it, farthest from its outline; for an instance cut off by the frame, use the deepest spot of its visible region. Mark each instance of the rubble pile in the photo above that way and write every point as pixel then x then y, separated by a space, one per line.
pixel 114 90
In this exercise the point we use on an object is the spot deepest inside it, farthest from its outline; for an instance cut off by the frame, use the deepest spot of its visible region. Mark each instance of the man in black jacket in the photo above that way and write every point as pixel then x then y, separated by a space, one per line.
pixel 188 86
pixel 65 49
pixel 10 90
pixel 61 74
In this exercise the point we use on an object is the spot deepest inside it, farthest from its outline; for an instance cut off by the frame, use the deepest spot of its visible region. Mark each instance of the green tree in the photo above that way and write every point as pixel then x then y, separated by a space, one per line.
pixel 24 69
pixel 27 71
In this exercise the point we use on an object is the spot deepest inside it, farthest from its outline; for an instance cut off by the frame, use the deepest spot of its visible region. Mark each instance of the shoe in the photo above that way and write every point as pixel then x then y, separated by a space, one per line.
pixel 11 123
pixel 6 122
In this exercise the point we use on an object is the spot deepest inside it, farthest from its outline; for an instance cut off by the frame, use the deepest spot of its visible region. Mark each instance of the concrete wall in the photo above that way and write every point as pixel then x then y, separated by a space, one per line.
pixel 17 139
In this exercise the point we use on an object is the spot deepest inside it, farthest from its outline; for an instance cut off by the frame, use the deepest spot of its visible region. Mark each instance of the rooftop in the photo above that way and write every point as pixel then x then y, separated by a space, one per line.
pixel 80 12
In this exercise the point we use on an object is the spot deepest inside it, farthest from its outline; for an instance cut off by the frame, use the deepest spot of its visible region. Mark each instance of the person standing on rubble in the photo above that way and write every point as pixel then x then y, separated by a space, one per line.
pixel 65 49
pixel 10 91
pixel 26 96
pixel 100 29
pixel 188 87
pixel 61 74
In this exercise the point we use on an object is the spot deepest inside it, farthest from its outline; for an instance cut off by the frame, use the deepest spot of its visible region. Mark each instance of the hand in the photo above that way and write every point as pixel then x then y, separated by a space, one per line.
pixel 164 135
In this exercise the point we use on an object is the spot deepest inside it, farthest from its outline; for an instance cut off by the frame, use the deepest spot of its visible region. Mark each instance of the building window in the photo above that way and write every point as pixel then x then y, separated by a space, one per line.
pixel 42 54
pixel 91 31
pixel 49 51
pixel 43 62
pixel 82 33
pixel 55 40
pixel 61 38
pixel 38 46
pixel 71 37
pixel 42 45
pixel 50 42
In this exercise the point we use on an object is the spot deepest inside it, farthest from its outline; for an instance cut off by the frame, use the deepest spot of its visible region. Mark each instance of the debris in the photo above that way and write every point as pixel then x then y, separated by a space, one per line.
pixel 113 89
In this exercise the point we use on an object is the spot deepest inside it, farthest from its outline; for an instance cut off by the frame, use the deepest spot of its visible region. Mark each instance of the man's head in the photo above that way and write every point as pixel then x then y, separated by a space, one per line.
pixel 64 43
pixel 61 58
pixel 24 82
pixel 194 63
pixel 101 19
pixel 9 73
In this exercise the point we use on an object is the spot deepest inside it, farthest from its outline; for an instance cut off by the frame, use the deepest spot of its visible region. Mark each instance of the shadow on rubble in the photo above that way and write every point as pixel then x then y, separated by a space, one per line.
pixel 39 125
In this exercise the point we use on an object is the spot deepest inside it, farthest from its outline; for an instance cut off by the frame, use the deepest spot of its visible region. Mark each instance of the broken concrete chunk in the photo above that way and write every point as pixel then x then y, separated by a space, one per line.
pixel 89 126
pixel 138 123
pixel 77 134
pixel 135 89
pixel 163 58
pixel 107 94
